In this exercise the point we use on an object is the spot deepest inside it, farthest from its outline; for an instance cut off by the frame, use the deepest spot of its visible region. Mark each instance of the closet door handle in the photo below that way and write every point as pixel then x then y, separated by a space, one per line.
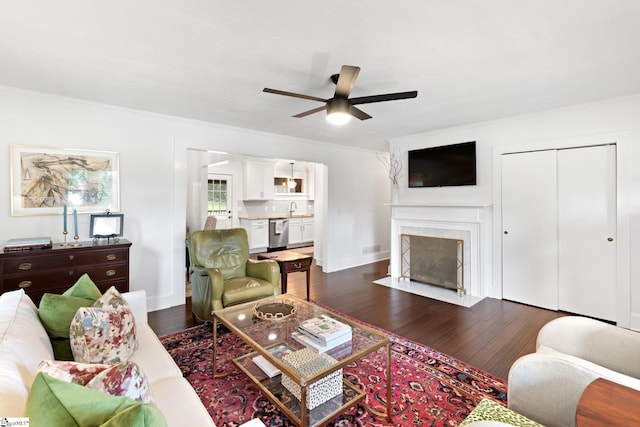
pixel 506 232
pixel 610 239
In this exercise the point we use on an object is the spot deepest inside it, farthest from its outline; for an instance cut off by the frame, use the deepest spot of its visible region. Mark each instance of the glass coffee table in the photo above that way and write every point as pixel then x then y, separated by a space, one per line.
pixel 268 332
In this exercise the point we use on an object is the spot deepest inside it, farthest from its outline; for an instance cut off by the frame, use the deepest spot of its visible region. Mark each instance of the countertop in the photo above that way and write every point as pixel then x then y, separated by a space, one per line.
pixel 277 216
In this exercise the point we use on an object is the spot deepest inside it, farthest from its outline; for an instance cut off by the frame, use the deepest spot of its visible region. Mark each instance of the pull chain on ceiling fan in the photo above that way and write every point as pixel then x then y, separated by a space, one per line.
pixel 341 108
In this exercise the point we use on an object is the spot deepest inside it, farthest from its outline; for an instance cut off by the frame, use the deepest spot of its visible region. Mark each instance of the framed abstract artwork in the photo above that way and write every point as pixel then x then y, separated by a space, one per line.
pixel 44 180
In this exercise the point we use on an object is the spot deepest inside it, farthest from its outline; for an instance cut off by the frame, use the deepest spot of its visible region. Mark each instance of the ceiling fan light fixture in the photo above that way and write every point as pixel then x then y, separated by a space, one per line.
pixel 341 107
pixel 338 111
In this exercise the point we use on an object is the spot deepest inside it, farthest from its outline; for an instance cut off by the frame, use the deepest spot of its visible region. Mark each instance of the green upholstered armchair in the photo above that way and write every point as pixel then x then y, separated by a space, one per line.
pixel 222 273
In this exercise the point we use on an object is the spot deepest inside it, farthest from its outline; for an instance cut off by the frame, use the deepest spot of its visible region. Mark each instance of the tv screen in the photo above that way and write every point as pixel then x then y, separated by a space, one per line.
pixel 449 165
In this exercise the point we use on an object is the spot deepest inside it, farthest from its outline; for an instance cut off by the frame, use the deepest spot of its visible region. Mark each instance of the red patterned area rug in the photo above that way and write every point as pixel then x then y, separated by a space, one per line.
pixel 428 388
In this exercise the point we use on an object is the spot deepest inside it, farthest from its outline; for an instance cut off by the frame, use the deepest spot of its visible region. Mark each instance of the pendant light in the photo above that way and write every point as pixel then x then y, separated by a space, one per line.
pixel 292 182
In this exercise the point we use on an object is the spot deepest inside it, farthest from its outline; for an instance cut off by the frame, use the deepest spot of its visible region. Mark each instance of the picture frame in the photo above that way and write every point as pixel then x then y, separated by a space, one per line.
pixel 106 225
pixel 45 179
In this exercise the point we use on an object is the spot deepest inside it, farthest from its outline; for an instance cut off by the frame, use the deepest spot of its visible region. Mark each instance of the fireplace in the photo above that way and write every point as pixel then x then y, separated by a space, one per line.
pixel 433 260
pixel 463 229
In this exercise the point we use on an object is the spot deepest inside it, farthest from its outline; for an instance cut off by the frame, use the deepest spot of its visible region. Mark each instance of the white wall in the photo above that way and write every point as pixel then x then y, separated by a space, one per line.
pixel 153 177
pixel 615 120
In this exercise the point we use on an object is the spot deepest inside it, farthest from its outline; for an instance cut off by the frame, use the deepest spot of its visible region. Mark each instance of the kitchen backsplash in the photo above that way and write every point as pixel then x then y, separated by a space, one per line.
pixel 274 207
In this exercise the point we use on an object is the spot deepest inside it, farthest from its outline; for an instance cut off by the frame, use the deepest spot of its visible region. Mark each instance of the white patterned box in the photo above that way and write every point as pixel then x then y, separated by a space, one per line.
pixel 307 362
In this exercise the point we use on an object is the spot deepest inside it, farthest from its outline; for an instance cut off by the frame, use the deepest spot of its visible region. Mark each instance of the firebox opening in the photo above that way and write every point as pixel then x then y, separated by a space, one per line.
pixel 433 260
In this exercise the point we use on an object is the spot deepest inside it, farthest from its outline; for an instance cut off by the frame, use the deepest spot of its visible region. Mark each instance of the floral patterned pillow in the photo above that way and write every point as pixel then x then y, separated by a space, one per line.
pixel 104 332
pixel 72 372
pixel 124 379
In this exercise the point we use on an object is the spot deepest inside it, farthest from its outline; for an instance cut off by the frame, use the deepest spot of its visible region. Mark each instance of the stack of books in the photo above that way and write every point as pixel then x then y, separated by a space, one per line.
pixel 267 367
pixel 322 333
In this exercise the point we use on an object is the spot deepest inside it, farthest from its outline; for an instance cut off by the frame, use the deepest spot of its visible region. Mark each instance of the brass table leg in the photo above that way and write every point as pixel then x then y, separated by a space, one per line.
pixel 215 340
pixel 387 413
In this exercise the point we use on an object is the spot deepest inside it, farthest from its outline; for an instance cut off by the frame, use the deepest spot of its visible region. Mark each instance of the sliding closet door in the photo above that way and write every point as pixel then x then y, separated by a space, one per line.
pixel 587 231
pixel 529 220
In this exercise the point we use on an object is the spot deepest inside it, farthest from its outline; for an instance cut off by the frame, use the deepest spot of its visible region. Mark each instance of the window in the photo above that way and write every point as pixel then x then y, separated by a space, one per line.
pixel 217 196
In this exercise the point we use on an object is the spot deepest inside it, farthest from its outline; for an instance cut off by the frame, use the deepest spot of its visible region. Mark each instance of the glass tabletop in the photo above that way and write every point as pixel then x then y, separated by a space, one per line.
pixel 265 334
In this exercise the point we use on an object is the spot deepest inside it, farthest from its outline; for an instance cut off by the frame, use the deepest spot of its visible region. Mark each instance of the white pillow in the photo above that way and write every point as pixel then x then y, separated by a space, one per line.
pixel 23 344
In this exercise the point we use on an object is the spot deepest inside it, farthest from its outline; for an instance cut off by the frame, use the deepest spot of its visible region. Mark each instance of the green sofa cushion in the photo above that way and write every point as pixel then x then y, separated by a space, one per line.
pixel 53 402
pixel 57 311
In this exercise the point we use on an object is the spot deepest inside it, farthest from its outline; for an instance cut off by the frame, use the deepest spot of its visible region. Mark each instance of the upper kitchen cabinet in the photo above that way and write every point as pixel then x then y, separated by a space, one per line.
pixel 258 180
pixel 293 180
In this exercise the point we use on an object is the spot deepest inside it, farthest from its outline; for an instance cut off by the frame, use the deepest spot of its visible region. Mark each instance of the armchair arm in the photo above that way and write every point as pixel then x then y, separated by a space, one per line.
pixel 546 387
pixel 264 269
pixel 607 345
pixel 217 288
pixel 200 271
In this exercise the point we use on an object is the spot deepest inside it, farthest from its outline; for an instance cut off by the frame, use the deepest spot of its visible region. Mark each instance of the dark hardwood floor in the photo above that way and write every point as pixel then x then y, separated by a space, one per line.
pixel 491 335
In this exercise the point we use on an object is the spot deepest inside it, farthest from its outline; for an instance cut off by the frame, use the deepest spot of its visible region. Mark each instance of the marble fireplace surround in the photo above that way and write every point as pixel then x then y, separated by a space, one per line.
pixel 470 222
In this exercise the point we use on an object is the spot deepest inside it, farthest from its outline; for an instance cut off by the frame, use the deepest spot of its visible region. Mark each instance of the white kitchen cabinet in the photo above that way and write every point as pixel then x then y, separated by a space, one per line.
pixel 301 231
pixel 257 181
pixel 559 225
pixel 257 233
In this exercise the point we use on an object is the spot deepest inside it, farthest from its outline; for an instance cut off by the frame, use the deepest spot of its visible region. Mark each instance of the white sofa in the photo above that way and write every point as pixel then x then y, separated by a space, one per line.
pixel 24 344
pixel 571 352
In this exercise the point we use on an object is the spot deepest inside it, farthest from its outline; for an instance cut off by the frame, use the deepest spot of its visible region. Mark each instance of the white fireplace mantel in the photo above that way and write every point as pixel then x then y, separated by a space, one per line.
pixel 472 218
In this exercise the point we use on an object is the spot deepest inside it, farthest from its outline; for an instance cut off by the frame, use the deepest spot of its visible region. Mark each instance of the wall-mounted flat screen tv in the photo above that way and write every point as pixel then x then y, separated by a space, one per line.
pixel 448 165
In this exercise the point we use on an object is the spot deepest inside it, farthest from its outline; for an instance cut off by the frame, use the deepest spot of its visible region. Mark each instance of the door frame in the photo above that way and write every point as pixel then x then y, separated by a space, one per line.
pixel 623 141
pixel 230 201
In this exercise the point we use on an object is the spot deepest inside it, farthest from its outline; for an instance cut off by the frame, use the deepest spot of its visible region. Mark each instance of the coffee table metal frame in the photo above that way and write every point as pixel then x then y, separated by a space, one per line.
pixel 261 335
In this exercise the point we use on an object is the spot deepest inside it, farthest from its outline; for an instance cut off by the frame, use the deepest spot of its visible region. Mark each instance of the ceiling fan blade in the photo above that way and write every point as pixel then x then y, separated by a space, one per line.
pixel 385 97
pixel 358 113
pixel 295 95
pixel 348 76
pixel 307 113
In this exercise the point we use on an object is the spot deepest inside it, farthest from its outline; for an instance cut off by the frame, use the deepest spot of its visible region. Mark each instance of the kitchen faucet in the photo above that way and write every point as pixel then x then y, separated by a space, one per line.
pixel 292 207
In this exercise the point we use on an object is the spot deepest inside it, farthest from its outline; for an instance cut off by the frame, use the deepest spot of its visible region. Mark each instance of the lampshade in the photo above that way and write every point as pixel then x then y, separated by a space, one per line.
pixel 338 111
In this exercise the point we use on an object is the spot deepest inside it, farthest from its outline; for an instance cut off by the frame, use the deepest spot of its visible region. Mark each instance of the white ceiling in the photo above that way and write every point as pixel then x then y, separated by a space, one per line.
pixel 469 60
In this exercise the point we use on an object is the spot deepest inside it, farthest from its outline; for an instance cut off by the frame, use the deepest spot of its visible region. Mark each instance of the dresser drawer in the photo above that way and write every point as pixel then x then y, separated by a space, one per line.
pixel 36 295
pixel 48 281
pixel 70 259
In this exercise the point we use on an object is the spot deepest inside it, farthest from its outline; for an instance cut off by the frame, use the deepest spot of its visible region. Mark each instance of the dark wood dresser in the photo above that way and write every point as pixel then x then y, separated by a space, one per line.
pixel 55 270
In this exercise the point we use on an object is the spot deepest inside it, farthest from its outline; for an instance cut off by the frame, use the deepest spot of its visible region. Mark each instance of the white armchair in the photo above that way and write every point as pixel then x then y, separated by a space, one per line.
pixel 571 352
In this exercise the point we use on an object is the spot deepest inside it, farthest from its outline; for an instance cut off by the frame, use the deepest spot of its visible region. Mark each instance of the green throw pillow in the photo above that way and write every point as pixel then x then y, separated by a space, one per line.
pixel 57 311
pixel 53 402
pixel 84 288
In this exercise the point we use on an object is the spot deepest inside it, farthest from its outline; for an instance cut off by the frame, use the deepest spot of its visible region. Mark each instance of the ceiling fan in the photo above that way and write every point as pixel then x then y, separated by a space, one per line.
pixel 341 108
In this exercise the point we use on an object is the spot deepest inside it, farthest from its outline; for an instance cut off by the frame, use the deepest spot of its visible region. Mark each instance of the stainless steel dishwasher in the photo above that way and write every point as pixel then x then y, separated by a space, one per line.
pixel 278 234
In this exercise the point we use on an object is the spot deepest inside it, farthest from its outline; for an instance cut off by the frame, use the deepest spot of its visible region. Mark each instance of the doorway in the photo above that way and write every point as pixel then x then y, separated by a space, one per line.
pixel 219 200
